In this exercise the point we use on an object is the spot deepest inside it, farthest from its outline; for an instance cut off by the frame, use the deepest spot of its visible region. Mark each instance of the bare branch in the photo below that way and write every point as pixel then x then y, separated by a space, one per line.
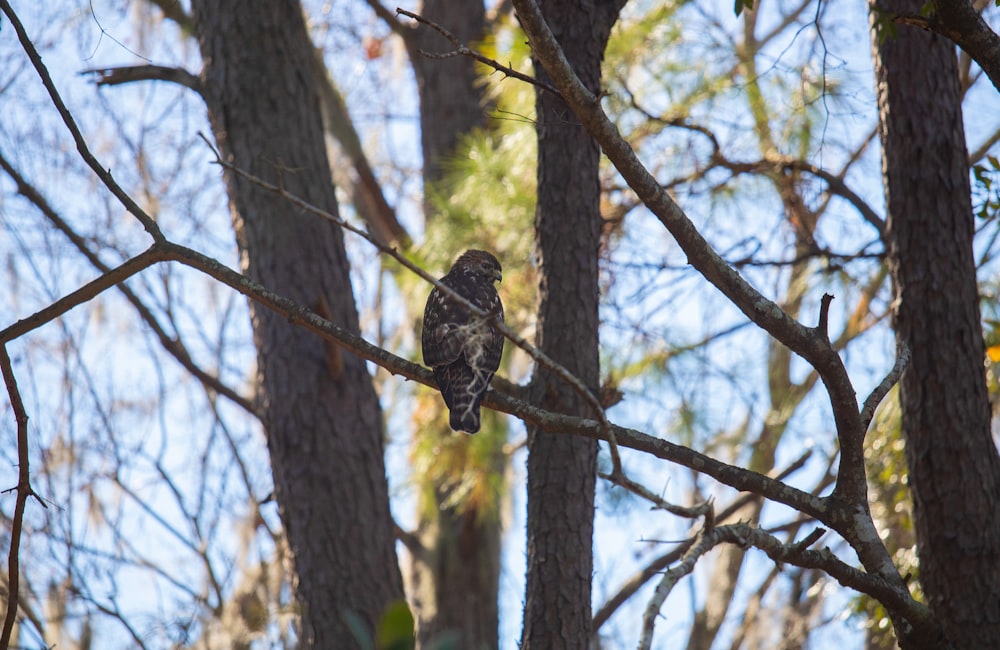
pixel 152 255
pixel 848 510
pixel 762 311
pixel 131 73
pixel 703 509
pixel 879 392
pixel 23 492
pixel 659 563
pixel 798 553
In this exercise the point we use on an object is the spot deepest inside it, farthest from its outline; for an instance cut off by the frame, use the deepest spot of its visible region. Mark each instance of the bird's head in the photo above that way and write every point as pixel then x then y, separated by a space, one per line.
pixel 482 264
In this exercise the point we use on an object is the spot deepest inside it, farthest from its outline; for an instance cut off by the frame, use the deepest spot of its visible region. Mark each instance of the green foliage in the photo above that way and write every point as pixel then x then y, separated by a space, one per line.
pixel 986 188
pixel 884 24
pixel 394 631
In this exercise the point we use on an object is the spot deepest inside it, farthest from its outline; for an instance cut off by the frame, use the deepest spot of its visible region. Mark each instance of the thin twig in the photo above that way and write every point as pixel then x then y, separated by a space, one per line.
pixel 23 492
pixel 461 49
pixel 879 392
pixel 659 503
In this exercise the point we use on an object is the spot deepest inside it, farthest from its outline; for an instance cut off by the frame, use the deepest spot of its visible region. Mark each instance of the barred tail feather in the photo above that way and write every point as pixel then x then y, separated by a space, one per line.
pixel 466 419
pixel 462 388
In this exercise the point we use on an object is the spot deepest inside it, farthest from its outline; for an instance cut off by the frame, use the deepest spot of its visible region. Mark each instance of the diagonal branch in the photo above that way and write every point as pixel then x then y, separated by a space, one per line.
pixel 847 508
pixel 805 341
pixel 158 252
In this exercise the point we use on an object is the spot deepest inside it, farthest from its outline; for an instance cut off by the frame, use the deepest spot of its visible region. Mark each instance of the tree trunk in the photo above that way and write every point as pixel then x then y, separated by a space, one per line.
pixel 318 406
pixel 453 581
pixel 562 469
pixel 953 462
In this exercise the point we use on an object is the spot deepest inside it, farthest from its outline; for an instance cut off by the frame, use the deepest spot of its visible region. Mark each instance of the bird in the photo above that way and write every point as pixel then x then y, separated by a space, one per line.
pixel 464 350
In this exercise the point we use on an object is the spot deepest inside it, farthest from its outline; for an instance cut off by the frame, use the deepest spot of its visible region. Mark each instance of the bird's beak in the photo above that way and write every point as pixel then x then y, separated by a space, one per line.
pixel 498 276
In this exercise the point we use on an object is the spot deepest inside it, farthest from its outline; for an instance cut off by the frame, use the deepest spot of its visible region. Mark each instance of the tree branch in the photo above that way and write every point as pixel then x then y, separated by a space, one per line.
pixel 127 74
pixel 847 509
pixel 958 21
pixel 659 563
pixel 23 492
pixel 156 253
pixel 798 554
pixel 879 392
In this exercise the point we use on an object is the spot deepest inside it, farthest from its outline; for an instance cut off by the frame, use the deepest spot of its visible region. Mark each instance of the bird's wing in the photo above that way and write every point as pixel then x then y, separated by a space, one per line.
pixel 443 337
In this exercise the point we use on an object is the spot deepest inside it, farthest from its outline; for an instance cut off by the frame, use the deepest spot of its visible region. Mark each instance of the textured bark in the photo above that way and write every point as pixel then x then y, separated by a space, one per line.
pixel 453 583
pixel 953 463
pixel 319 408
pixel 562 469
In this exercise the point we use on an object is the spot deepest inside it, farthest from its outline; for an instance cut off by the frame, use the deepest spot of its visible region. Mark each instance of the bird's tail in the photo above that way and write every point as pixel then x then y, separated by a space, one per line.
pixel 465 418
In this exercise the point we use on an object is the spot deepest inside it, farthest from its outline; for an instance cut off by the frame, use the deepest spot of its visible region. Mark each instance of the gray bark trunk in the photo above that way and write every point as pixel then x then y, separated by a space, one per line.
pixel 319 409
pixel 953 463
pixel 562 469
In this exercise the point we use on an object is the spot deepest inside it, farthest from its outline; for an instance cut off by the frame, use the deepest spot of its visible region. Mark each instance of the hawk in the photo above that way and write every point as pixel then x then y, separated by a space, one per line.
pixel 464 350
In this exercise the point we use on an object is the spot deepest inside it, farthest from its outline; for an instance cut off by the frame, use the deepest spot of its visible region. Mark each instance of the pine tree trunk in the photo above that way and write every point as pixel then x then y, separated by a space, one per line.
pixel 953 462
pixel 318 406
pixel 562 469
